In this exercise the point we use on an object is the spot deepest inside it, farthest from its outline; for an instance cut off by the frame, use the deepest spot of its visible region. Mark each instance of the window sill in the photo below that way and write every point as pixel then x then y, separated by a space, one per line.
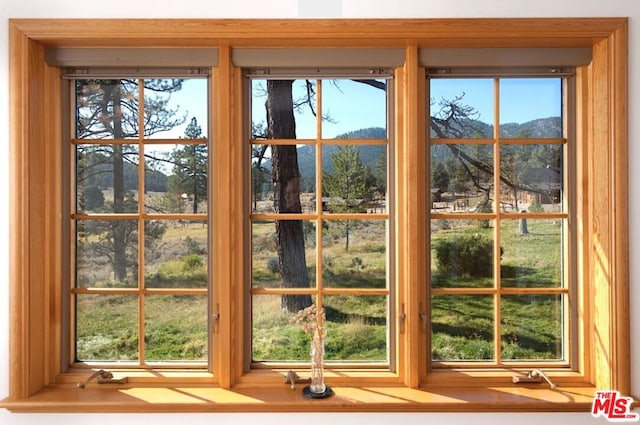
pixel 284 399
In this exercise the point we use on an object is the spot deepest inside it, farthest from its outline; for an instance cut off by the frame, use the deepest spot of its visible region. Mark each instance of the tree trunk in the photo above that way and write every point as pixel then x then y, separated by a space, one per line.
pixel 346 245
pixel 194 170
pixel 119 227
pixel 286 178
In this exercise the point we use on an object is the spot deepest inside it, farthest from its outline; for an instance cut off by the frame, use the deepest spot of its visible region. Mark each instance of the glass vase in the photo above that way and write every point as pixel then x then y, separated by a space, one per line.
pixel 317 385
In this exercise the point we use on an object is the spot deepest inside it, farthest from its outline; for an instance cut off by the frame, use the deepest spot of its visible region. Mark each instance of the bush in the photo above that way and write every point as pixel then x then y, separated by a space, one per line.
pixel 192 246
pixel 191 263
pixel 273 264
pixel 535 206
pixel 93 197
pixel 468 255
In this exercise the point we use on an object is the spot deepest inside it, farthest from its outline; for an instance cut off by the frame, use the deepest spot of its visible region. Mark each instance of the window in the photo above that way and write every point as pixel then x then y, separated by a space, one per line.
pixel 501 248
pixel 320 218
pixel 139 222
pixel 584 288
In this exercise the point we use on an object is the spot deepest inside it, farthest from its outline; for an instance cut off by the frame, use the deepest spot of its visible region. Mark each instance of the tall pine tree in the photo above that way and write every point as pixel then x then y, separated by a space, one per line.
pixel 190 168
pixel 347 185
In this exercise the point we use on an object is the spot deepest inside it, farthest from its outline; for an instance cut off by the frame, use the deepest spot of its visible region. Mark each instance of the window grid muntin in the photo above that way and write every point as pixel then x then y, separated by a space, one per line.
pixel 570 355
pixel 319 216
pixel 141 216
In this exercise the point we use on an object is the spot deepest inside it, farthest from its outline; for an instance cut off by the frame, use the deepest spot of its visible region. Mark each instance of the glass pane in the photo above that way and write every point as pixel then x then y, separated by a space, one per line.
pixel 289 194
pixel 106 327
pixel 531 107
pixel 176 178
pixel 107 254
pixel 461 108
pixel 106 179
pixel 176 108
pixel 181 335
pixel 354 109
pixel 462 253
pixel 176 254
pixel 354 178
pixel 274 336
pixel 292 105
pixel 354 253
pixel 107 109
pixel 532 327
pixel 533 251
pixel 356 327
pixel 532 177
pixel 297 267
pixel 462 327
pixel 461 178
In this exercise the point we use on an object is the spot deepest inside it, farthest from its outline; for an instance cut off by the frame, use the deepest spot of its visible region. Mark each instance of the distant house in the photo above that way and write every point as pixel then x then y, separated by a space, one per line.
pixel 436 195
pixel 338 202
pixel 547 180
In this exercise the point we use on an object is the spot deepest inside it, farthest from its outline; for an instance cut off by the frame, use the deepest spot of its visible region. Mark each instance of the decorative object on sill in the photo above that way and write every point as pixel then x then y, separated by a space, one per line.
pixel 312 320
pixel 293 378
pixel 103 377
pixel 535 376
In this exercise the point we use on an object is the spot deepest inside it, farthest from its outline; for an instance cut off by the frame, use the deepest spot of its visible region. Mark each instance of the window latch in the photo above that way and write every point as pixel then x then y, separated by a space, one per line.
pixel 424 317
pixel 102 377
pixel 534 376
pixel 215 316
pixel 401 317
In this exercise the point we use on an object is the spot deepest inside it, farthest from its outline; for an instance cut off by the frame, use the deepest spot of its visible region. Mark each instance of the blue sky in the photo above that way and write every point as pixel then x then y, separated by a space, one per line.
pixel 521 100
pixel 353 105
pixel 350 105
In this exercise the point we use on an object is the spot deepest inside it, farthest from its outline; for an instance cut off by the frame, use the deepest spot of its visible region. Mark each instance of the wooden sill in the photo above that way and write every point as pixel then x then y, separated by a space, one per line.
pixel 283 399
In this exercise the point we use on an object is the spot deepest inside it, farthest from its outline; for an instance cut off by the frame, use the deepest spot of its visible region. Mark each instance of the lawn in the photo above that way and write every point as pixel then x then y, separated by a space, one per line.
pixel 462 325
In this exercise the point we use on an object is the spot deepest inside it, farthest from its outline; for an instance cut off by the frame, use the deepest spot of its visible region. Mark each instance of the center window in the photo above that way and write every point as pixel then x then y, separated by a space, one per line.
pixel 319 218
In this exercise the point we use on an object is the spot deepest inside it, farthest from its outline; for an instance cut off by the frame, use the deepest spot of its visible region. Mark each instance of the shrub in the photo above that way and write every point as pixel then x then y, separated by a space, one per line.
pixel 465 255
pixel 535 206
pixel 93 197
pixel 191 263
pixel 192 246
pixel 273 265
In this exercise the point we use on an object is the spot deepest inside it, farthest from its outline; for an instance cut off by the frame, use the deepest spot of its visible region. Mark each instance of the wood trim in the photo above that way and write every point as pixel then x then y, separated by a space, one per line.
pixel 221 256
pixel 190 399
pixel 18 44
pixel 505 32
pixel 608 190
pixel 619 137
pixel 53 259
pixel 410 213
pixel 35 320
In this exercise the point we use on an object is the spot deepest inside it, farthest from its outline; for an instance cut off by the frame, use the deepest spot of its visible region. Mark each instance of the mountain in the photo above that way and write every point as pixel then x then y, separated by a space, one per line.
pixel 540 128
pixel 99 172
pixel 369 154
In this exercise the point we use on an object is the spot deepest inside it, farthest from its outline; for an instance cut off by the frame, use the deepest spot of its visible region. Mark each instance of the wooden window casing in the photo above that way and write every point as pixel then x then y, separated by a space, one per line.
pixel 143 216
pixel 502 212
pixel 321 215
pixel 37 188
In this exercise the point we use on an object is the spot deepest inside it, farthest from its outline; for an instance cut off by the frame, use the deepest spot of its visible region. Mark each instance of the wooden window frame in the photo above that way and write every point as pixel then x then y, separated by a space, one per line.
pixel 568 358
pixel 318 289
pixel 36 381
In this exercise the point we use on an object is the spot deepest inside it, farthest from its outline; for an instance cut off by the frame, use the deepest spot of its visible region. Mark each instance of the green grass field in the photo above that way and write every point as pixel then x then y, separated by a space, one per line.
pixel 462 325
